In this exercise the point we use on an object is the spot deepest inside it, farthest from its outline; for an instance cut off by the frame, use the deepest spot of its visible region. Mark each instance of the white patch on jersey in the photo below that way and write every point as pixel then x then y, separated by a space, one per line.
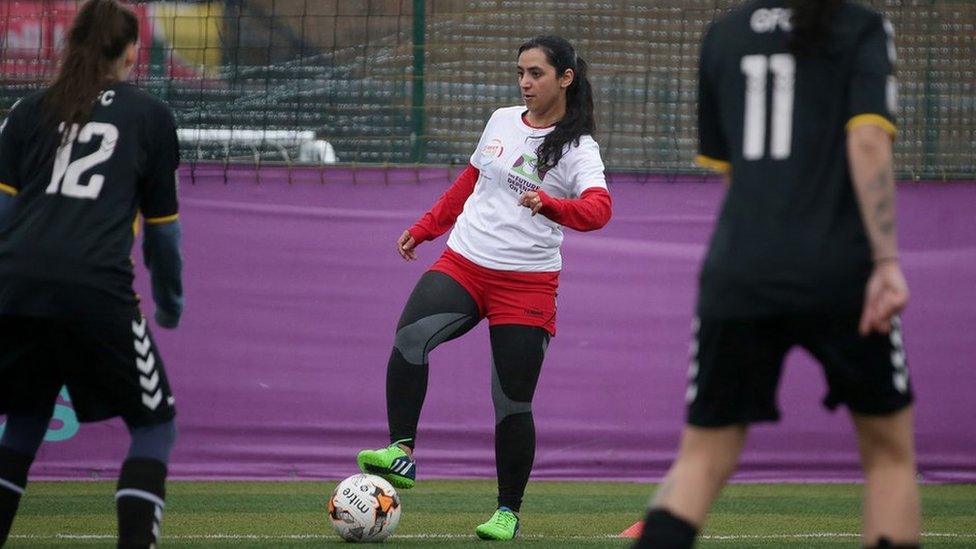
pixel 106 98
pixel 768 20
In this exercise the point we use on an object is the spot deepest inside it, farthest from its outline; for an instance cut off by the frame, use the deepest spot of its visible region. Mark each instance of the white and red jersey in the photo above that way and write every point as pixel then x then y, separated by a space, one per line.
pixel 495 232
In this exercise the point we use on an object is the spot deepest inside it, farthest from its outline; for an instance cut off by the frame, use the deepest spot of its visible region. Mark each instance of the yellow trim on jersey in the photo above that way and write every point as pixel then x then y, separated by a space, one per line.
pixel 135 225
pixel 713 163
pixel 8 189
pixel 873 119
pixel 161 220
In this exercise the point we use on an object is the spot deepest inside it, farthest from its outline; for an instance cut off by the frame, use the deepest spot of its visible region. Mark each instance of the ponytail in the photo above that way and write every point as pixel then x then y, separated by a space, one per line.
pixel 578 120
pixel 99 35
pixel 811 24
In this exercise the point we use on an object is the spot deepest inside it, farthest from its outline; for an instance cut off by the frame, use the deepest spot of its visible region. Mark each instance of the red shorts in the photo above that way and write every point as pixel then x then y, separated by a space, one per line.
pixel 505 297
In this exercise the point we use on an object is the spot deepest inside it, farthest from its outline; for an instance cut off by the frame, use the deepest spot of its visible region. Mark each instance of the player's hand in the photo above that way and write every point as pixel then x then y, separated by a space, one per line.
pixel 167 320
pixel 885 296
pixel 531 200
pixel 406 246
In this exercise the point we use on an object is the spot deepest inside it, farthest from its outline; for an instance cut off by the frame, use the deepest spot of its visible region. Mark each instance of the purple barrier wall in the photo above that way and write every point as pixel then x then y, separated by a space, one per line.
pixel 293 292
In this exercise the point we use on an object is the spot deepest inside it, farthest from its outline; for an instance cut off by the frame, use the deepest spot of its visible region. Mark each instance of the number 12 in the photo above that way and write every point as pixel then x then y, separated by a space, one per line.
pixel 756 68
pixel 70 172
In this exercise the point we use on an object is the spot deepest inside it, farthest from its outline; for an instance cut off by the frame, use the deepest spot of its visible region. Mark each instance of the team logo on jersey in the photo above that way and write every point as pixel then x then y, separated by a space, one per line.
pixel 525 174
pixel 494 149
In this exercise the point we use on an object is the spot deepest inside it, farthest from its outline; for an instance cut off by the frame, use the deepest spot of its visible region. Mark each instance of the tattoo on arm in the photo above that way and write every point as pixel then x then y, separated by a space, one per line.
pixel 882 188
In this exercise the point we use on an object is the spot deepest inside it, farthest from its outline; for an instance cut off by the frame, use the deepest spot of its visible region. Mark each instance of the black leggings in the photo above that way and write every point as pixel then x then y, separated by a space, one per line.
pixel 439 310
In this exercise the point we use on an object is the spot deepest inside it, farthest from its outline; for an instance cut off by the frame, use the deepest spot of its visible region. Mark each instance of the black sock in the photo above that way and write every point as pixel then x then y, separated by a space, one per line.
pixel 139 502
pixel 514 454
pixel 13 481
pixel 885 543
pixel 662 530
pixel 406 388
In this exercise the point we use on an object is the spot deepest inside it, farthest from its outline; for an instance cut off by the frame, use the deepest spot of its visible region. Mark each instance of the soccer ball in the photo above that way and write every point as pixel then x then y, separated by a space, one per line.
pixel 364 508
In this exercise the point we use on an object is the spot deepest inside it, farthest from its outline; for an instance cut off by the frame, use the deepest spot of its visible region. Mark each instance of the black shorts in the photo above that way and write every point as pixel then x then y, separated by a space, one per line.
pixel 110 366
pixel 736 366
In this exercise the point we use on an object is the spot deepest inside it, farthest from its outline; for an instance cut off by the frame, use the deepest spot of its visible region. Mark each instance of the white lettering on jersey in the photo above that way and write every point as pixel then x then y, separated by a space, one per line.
pixel 106 98
pixel 756 69
pixel 4 123
pixel 768 20
pixel 66 175
pixel 891 91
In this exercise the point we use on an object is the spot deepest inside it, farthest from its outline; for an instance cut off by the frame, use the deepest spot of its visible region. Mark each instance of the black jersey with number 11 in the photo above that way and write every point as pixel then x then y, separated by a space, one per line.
pixel 65 246
pixel 789 238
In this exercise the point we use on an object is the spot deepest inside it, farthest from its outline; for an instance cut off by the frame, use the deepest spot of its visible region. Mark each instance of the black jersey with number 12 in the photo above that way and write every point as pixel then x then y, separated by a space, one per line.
pixel 65 245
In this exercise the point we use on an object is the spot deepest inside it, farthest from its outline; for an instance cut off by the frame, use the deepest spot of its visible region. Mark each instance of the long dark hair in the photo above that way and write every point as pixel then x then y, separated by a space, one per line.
pixel 101 31
pixel 811 24
pixel 578 120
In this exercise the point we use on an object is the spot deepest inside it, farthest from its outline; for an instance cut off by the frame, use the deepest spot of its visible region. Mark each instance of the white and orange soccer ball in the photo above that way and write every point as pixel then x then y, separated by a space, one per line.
pixel 364 508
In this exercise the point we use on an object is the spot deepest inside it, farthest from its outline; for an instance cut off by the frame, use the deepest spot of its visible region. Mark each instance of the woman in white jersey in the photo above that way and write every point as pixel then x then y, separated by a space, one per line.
pixel 536 170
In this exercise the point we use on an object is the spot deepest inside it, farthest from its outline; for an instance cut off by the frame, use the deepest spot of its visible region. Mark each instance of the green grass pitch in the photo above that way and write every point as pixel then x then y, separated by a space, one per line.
pixel 444 513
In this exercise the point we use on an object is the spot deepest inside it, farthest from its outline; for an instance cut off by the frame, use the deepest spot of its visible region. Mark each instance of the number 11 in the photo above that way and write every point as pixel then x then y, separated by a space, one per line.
pixel 756 68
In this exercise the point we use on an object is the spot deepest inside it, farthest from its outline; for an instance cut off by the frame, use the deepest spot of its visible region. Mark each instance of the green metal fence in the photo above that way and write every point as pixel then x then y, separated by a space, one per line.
pixel 397 81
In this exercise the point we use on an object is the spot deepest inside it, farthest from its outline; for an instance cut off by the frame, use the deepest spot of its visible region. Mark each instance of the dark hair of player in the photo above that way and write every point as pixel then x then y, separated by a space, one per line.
pixel 101 31
pixel 578 120
pixel 811 24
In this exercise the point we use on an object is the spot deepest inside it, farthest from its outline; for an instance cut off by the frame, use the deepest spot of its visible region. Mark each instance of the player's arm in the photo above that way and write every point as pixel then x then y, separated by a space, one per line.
pixel 870 131
pixel 593 207
pixel 161 250
pixel 712 147
pixel 870 157
pixel 441 217
pixel 589 212
pixel 161 242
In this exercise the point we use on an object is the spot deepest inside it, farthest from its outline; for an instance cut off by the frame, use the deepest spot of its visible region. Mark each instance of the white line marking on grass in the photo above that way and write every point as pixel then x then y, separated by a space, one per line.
pixel 823 535
pixel 812 535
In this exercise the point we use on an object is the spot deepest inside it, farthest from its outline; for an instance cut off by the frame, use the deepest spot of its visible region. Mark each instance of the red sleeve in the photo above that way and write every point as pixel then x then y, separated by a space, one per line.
pixel 446 210
pixel 589 212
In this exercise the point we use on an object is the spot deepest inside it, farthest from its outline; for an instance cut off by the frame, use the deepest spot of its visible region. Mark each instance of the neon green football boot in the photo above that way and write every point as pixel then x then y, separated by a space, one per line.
pixel 390 463
pixel 503 525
